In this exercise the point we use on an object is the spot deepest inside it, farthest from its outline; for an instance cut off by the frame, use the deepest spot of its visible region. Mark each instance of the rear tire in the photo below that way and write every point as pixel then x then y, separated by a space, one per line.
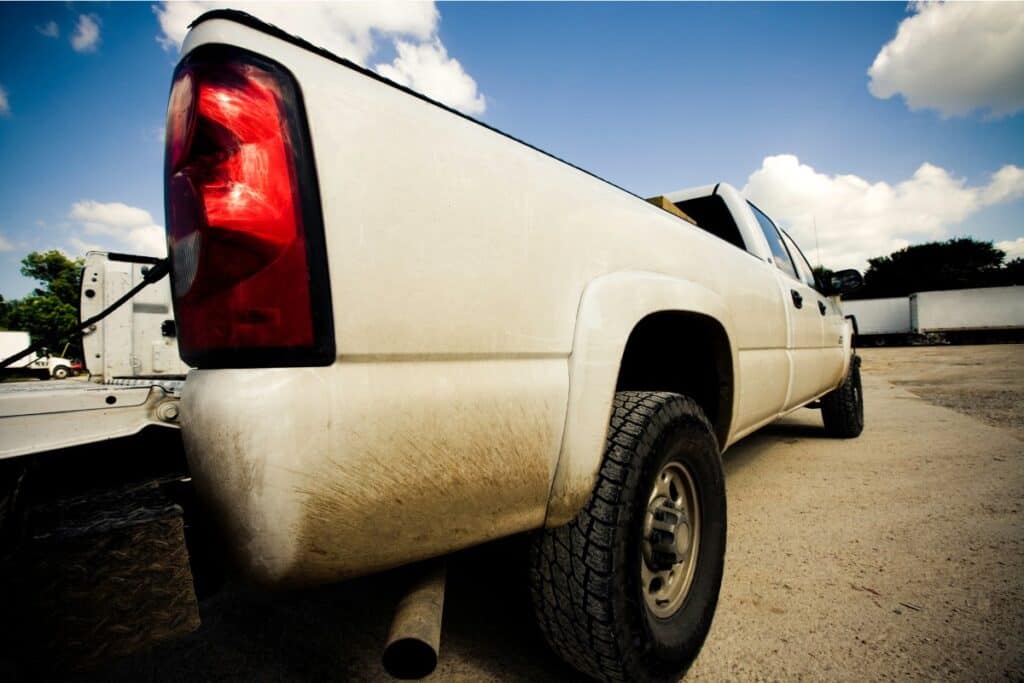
pixel 842 409
pixel 61 372
pixel 588 577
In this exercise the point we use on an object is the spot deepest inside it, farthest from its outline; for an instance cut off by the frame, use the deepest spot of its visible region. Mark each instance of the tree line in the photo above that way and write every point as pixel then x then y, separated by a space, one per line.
pixel 958 263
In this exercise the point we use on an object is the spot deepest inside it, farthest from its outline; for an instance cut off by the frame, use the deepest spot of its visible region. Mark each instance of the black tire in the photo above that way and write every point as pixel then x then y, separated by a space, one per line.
pixel 61 372
pixel 585 576
pixel 842 409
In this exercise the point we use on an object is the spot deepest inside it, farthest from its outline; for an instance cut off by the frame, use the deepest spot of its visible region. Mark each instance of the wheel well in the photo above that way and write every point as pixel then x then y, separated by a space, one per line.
pixel 686 353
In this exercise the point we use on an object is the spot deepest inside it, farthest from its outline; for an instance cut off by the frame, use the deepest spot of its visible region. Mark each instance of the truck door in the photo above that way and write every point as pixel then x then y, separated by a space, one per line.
pixel 804 317
pixel 833 352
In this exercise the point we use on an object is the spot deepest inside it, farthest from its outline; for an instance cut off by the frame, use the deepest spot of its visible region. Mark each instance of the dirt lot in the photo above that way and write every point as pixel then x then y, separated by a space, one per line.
pixel 896 555
pixel 986 382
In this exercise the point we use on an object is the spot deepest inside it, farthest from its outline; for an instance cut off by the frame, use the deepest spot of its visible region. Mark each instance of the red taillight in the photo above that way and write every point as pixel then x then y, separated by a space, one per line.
pixel 243 218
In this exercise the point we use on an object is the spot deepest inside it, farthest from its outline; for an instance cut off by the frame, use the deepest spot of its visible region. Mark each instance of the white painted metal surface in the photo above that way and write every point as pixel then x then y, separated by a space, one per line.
pixel 483 293
pixel 130 341
pixel 36 417
pixel 989 308
pixel 881 316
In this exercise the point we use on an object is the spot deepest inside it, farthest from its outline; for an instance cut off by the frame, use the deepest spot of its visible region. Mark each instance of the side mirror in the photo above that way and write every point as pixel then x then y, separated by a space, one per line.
pixel 844 282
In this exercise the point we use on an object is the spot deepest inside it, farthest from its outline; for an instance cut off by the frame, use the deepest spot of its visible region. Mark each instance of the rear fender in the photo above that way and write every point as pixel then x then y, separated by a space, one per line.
pixel 611 306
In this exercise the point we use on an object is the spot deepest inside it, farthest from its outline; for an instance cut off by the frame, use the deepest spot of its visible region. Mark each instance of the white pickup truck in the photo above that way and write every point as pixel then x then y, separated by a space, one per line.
pixel 43 367
pixel 414 333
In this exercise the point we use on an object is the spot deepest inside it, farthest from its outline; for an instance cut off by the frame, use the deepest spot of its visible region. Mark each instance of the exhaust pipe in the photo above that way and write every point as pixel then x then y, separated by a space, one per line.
pixel 415 637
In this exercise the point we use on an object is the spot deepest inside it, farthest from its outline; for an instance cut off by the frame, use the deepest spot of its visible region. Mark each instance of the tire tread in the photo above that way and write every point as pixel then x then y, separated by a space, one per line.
pixel 572 567
pixel 842 410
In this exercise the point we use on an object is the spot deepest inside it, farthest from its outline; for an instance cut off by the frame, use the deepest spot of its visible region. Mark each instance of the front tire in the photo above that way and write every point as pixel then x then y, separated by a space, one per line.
pixel 842 409
pixel 627 590
pixel 61 372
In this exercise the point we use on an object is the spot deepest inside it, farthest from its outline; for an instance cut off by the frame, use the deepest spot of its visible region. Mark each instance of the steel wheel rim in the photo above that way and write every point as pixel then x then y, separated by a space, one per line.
pixel 668 559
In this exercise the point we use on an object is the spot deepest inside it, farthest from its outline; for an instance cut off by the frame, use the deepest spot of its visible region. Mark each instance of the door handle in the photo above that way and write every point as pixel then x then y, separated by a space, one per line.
pixel 821 307
pixel 798 300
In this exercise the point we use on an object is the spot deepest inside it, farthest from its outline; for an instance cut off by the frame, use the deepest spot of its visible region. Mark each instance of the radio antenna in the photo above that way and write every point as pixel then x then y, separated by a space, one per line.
pixel 817 248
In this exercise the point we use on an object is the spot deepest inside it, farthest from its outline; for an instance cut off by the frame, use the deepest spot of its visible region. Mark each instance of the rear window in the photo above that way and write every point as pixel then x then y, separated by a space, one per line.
pixel 712 215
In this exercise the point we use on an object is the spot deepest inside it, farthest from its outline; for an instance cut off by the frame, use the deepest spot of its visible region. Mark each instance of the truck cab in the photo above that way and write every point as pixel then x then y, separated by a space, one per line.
pixel 811 339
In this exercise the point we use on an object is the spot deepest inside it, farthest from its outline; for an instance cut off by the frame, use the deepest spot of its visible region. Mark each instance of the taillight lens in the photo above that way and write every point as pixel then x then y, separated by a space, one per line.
pixel 244 229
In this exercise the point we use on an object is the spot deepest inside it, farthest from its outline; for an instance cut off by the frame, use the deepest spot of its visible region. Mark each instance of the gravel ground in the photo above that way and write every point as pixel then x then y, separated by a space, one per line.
pixel 898 555
pixel 986 382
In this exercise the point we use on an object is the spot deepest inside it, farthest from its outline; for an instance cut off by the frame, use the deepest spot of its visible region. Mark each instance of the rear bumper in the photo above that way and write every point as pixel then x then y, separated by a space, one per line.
pixel 320 474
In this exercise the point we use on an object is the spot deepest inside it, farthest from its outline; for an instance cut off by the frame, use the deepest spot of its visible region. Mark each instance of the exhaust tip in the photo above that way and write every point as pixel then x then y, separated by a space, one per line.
pixel 409 659
pixel 415 638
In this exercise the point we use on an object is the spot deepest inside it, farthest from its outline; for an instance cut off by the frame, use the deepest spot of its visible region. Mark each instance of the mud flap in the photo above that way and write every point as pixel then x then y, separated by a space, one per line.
pixel 100 577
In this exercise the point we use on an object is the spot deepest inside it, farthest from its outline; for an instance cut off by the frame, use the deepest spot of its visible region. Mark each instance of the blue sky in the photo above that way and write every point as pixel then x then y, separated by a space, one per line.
pixel 654 97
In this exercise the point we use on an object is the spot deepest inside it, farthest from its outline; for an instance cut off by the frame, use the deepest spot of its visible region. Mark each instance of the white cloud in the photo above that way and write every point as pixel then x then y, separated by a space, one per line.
pixel 5 244
pixel 353 30
pixel 428 69
pixel 114 226
pixel 858 219
pixel 955 57
pixel 80 247
pixel 1013 248
pixel 1006 185
pixel 345 28
pixel 86 37
pixel 5 104
pixel 49 29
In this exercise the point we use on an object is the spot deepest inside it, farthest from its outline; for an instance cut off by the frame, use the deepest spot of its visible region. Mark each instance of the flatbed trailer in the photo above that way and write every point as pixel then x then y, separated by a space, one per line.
pixel 94 562
pixel 94 558
pixel 37 417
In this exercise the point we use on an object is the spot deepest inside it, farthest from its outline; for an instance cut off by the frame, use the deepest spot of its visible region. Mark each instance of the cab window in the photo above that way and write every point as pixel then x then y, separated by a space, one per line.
pixel 803 268
pixel 780 257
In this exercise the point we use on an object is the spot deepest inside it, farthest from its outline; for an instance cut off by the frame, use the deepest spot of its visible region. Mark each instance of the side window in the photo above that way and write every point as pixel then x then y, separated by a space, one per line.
pixel 803 268
pixel 779 254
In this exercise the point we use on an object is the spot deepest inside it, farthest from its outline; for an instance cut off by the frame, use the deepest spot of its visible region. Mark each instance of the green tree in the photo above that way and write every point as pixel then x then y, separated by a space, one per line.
pixel 957 263
pixel 822 275
pixel 1013 272
pixel 51 308
pixel 59 275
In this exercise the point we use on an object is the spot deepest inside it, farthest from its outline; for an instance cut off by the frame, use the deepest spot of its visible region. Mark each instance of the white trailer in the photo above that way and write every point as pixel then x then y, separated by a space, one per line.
pixel 93 485
pixel 137 340
pixel 881 320
pixel 968 310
